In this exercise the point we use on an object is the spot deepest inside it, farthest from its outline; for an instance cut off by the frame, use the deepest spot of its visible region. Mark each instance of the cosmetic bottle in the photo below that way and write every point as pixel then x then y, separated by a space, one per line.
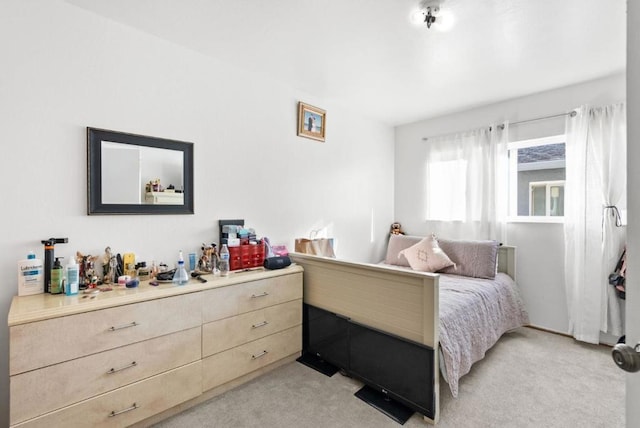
pixel 49 255
pixel 224 260
pixel 57 277
pixel 143 271
pixel 153 273
pixel 30 275
pixel 181 276
pixel 72 283
pixel 129 260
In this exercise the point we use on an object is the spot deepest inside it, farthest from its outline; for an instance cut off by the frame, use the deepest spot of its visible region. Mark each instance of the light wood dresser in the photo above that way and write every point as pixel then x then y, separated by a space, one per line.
pixel 132 357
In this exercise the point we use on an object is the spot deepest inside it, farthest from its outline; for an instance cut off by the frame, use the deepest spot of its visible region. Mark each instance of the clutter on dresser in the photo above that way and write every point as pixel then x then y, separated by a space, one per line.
pixel 208 261
pixel 246 251
pixel 88 274
pixel 273 260
pixel 109 264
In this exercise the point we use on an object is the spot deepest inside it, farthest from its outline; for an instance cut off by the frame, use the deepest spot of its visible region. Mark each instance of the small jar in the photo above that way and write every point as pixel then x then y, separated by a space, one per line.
pixel 144 272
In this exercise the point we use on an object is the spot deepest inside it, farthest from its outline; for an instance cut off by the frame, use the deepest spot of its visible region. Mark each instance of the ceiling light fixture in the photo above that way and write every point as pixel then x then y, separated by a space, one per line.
pixel 428 16
pixel 427 13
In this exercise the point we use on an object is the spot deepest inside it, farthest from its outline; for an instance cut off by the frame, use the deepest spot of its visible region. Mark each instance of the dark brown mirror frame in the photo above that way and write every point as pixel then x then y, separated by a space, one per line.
pixel 96 136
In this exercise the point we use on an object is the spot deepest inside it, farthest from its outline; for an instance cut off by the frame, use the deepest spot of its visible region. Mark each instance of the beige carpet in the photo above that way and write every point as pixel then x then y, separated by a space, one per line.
pixel 529 378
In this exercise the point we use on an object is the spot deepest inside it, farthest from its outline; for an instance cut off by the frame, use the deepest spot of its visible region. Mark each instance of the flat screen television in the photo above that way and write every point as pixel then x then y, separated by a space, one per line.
pixel 325 335
pixel 400 369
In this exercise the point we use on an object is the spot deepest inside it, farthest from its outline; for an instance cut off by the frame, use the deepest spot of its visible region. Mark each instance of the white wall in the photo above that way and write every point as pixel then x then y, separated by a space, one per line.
pixel 65 69
pixel 540 264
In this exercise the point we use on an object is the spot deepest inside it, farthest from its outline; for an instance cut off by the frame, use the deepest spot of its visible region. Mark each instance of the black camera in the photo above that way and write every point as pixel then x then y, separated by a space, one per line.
pixel 616 279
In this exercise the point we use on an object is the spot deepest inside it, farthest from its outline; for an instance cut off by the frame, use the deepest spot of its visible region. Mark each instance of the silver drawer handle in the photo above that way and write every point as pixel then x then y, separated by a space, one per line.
pixel 114 370
pixel 114 413
pixel 255 296
pixel 120 327
pixel 261 354
pixel 260 324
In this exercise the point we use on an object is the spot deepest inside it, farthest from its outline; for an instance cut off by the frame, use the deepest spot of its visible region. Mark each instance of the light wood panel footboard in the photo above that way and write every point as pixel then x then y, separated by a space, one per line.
pixel 397 301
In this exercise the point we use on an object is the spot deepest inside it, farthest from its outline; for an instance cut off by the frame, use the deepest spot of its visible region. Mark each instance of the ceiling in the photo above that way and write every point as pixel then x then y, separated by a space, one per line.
pixel 368 56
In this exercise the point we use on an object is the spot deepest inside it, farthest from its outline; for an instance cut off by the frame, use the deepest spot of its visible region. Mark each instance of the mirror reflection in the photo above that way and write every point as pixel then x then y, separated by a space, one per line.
pixel 141 175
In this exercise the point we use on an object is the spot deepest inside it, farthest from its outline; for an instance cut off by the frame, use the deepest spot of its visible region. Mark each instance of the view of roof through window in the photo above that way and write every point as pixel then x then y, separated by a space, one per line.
pixel 547 152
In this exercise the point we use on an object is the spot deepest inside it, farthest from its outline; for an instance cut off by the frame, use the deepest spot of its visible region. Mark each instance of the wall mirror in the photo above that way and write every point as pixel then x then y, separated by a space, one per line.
pixel 137 174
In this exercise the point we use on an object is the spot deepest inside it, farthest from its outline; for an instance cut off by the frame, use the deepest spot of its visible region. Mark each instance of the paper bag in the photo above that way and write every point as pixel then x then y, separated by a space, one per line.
pixel 317 246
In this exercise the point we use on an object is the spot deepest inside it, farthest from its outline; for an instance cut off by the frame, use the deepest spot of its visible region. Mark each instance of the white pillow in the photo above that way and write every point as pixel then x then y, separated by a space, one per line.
pixel 426 255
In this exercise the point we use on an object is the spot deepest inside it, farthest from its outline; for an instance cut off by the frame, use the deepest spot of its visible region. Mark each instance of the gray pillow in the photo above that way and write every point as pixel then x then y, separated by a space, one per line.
pixel 477 259
pixel 398 243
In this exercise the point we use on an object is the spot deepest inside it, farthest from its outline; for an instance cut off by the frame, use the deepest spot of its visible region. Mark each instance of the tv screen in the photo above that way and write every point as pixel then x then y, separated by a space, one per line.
pixel 326 335
pixel 399 368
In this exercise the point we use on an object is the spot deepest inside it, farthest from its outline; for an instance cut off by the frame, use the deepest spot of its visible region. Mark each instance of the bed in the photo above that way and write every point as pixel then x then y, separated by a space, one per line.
pixel 458 316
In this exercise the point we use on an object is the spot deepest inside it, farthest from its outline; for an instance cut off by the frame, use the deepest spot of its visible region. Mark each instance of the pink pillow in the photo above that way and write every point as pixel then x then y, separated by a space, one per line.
pixel 426 255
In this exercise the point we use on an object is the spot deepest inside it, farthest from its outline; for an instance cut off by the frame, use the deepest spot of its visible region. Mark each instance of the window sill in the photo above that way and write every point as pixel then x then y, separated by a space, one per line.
pixel 535 219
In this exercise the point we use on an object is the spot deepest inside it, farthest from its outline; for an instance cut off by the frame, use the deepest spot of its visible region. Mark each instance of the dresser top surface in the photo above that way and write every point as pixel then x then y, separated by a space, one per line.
pixel 38 307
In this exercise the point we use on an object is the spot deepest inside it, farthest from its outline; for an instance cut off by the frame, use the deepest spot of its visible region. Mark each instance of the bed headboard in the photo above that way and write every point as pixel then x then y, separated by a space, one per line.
pixel 507 260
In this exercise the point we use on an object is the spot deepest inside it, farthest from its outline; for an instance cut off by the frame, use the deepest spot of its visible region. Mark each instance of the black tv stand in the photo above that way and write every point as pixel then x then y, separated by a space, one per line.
pixel 385 404
pixel 317 363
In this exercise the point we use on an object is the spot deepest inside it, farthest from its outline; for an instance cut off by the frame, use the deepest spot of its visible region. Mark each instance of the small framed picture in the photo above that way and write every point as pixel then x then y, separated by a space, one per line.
pixel 312 121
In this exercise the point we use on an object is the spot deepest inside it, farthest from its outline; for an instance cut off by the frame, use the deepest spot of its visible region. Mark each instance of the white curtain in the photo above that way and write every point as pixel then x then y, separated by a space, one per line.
pixel 467 179
pixel 595 183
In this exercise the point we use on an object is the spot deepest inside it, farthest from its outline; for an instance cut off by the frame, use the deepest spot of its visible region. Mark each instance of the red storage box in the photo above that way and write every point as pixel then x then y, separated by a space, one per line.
pixel 257 254
pixel 235 259
pixel 246 256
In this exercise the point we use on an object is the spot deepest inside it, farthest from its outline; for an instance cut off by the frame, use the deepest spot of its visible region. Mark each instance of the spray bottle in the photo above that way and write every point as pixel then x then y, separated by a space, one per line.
pixel 180 277
pixel 72 284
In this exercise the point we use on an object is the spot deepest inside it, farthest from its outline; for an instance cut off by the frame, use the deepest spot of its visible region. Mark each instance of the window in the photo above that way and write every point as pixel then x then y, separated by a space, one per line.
pixel 536 178
pixel 546 198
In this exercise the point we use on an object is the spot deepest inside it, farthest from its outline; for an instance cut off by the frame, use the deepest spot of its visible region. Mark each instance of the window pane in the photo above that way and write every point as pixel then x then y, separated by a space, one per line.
pixel 544 165
pixel 538 200
pixel 556 200
pixel 446 190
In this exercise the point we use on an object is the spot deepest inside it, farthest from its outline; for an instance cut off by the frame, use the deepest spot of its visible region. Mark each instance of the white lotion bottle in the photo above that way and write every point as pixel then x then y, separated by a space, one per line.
pixel 30 275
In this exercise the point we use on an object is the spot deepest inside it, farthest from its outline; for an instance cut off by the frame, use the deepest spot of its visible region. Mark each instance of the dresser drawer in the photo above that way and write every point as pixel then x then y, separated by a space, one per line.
pixel 228 365
pixel 41 391
pixel 130 404
pixel 43 343
pixel 228 301
pixel 230 332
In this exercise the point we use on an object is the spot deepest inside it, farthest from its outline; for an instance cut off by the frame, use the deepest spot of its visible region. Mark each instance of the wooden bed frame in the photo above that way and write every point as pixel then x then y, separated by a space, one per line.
pixel 395 300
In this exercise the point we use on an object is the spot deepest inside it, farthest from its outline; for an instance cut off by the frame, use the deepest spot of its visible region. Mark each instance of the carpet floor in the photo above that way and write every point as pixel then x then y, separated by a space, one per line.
pixel 530 378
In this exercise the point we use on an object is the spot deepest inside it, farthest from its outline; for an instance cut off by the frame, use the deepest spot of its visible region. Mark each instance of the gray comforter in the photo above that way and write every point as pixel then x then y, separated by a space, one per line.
pixel 474 313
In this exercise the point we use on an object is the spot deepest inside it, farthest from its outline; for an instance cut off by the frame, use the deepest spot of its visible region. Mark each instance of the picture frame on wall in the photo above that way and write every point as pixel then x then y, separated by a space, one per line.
pixel 312 122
